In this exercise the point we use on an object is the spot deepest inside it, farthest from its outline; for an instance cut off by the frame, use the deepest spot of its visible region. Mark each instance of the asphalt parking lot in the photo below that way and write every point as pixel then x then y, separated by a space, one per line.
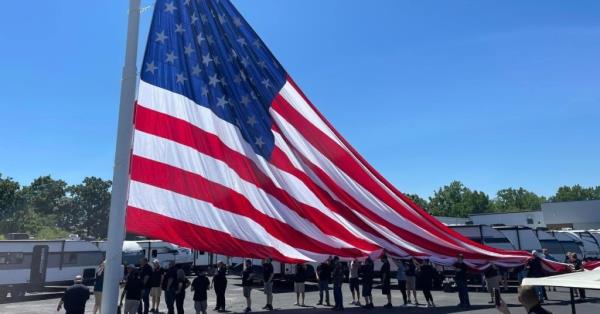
pixel 284 299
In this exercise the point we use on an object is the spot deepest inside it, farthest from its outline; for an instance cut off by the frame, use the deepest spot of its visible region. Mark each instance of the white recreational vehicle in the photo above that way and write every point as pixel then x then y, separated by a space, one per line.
pixel 131 254
pixel 549 242
pixel 485 234
pixel 569 242
pixel 586 241
pixel 31 265
pixel 167 252
pixel 522 238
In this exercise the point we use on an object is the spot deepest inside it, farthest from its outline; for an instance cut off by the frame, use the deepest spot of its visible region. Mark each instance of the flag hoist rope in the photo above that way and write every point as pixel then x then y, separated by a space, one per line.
pixel 116 224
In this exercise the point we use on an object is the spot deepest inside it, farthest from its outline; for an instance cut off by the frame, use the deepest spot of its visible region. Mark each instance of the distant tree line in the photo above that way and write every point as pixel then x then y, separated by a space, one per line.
pixel 457 200
pixel 50 208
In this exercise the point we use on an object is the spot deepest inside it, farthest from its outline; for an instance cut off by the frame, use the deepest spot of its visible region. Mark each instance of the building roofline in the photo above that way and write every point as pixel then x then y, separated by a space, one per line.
pixel 571 202
pixel 511 212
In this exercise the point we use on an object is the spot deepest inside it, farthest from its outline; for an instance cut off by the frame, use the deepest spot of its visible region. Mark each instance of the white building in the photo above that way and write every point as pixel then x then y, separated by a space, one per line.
pixel 531 219
pixel 575 215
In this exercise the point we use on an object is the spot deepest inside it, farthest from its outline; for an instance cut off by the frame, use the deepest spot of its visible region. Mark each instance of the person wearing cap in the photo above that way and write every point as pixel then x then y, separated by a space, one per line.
pixel 74 298
pixel 200 286
pixel 132 292
pixel 156 280
pixel 170 287
pixel 460 277
pixel 425 280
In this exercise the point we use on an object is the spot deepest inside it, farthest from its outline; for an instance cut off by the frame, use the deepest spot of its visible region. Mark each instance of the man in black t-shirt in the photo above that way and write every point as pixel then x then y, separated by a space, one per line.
pixel 268 274
pixel 75 298
pixel 132 291
pixel 386 281
pixel 170 286
pixel 323 276
pixel 366 273
pixel 200 286
pixel 460 277
pixel 146 275
pixel 156 281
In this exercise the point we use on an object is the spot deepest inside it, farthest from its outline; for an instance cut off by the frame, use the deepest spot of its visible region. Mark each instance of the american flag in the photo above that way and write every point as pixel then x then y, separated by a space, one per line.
pixel 230 157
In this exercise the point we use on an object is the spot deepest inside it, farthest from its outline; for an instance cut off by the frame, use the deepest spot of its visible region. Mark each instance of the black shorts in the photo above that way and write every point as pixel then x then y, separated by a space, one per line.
pixel 366 289
pixel 386 288
pixel 353 284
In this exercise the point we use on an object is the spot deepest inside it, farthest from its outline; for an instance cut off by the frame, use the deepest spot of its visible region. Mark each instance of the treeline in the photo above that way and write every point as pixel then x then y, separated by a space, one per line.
pixel 49 208
pixel 457 200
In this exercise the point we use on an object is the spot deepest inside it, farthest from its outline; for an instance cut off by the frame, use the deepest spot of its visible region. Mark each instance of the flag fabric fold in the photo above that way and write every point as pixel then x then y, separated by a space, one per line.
pixel 231 157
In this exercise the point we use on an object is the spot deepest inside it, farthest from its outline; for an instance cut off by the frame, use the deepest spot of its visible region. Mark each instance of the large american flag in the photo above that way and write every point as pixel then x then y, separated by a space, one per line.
pixel 229 156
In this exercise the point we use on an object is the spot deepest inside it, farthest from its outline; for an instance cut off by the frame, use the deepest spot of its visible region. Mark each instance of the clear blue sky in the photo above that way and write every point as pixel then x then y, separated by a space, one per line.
pixel 493 93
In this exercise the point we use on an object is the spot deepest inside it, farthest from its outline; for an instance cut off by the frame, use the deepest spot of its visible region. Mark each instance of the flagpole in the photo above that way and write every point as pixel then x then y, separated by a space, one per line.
pixel 116 224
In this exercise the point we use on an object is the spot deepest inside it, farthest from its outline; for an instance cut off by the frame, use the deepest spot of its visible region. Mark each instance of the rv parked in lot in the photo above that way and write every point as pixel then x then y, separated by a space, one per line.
pixel 32 265
pixel 167 252
pixel 485 234
pixel 131 254
pixel 569 243
pixel 522 238
pixel 549 242
pixel 586 242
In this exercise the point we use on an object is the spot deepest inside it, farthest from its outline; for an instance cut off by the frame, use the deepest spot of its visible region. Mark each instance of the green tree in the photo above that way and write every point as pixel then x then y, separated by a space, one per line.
pixel 517 200
pixel 421 202
pixel 86 212
pixel 576 193
pixel 9 196
pixel 456 200
pixel 45 195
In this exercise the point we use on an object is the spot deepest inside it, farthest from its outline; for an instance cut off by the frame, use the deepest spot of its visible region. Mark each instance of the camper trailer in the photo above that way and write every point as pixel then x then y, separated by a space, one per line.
pixel 522 238
pixel 486 235
pixel 549 242
pixel 586 242
pixel 32 265
pixel 569 243
pixel 131 253
pixel 167 252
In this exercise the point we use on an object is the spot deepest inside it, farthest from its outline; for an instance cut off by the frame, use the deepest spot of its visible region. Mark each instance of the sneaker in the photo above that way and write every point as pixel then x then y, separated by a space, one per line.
pixel 247 310
pixel 320 303
pixel 296 304
pixel 352 303
pixel 269 307
pixel 389 305
pixel 266 307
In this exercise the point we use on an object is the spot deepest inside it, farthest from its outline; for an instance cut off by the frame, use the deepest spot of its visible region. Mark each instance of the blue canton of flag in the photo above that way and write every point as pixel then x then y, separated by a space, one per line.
pixel 207 52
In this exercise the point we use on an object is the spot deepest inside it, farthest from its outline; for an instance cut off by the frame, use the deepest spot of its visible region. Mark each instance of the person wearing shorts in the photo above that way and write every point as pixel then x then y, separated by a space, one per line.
pixel 353 281
pixel 411 280
pixel 156 282
pixel 98 283
pixel 200 286
pixel 367 282
pixel 299 279
pixel 492 280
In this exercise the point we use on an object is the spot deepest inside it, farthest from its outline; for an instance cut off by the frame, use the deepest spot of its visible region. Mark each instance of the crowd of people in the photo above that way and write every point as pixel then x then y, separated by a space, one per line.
pixel 144 286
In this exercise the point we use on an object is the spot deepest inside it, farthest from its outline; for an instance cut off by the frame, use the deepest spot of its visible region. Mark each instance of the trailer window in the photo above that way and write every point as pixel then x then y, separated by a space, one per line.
pixel 11 258
pixel 70 258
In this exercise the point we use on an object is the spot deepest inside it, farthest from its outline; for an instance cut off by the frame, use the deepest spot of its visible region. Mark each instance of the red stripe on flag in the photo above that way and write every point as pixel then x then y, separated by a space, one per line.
pixel 185 133
pixel 186 234
pixel 189 184
pixel 435 225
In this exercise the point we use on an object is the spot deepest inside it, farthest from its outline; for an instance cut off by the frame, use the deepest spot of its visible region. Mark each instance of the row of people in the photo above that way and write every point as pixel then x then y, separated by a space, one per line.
pixel 143 287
